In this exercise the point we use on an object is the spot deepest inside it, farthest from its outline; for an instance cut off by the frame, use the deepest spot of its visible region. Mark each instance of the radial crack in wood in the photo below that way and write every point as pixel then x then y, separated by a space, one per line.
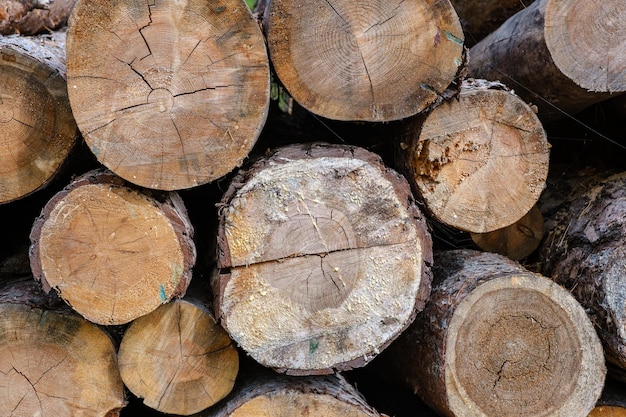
pixel 182 88
pixel 324 258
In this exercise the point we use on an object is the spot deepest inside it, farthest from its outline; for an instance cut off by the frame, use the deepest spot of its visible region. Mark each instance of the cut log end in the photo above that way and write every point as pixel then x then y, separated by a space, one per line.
pixel 328 56
pixel 56 363
pixel 112 252
pixel 326 240
pixel 515 351
pixel 182 93
pixel 586 42
pixel 479 162
pixel 35 116
pixel 178 359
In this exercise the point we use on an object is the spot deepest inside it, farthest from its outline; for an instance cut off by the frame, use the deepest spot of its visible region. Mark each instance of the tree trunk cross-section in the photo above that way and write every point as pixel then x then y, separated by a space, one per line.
pixel 168 94
pixel 273 395
pixel 374 60
pixel 38 129
pixel 479 162
pixel 112 252
pixel 178 359
pixel 53 362
pixel 499 341
pixel 324 259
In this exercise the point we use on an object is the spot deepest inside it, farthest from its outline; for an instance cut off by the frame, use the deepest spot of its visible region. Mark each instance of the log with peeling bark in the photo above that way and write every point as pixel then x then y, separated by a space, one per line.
pixel 374 60
pixel 479 162
pixel 562 55
pixel 270 394
pixel 496 340
pixel 584 250
pixel 36 121
pixel 52 361
pixel 167 95
pixel 323 258
pixel 30 17
pixel 178 359
pixel 516 241
pixel 112 251
pixel 481 17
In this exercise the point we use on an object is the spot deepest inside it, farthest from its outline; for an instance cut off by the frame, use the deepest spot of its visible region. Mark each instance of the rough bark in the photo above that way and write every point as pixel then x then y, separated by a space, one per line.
pixel 562 55
pixel 479 162
pixel 497 340
pixel 111 251
pixel 178 359
pixel 481 17
pixel 53 362
pixel 373 60
pixel 516 241
pixel 324 258
pixel 584 250
pixel 30 17
pixel 36 121
pixel 270 394
pixel 168 95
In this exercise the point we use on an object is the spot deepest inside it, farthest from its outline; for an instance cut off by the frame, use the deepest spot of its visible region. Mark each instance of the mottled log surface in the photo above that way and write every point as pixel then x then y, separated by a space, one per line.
pixel 374 60
pixel 478 162
pixel 38 129
pixel 178 359
pixel 53 362
pixel 497 340
pixel 168 95
pixel 584 250
pixel 30 17
pixel 324 258
pixel 562 55
pixel 273 395
pixel 112 251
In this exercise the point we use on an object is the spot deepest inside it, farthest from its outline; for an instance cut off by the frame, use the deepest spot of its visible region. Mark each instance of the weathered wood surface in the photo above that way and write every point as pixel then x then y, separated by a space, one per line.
pixel 36 121
pixel 53 362
pixel 323 258
pixel 168 95
pixel 497 340
pixel 584 250
pixel 561 55
pixel 178 359
pixel 478 162
pixel 372 60
pixel 113 252
pixel 30 17
pixel 270 394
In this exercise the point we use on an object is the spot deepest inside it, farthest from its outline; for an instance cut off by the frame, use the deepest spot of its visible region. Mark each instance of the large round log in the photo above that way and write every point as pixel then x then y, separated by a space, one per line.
pixel 584 250
pixel 111 251
pixel 478 162
pixel 167 95
pixel 374 60
pixel 324 258
pixel 496 340
pixel 178 359
pixel 52 361
pixel 562 55
pixel 36 121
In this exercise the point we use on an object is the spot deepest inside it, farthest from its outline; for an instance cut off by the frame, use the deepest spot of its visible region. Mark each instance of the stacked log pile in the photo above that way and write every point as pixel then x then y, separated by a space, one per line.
pixel 210 210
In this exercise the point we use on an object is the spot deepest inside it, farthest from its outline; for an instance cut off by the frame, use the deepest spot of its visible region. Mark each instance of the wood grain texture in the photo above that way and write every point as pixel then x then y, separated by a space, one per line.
pixel 168 94
pixel 497 340
pixel 35 116
pixel 371 60
pixel 112 251
pixel 323 256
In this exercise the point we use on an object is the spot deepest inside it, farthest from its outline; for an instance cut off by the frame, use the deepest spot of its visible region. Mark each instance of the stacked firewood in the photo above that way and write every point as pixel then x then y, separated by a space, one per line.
pixel 325 208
